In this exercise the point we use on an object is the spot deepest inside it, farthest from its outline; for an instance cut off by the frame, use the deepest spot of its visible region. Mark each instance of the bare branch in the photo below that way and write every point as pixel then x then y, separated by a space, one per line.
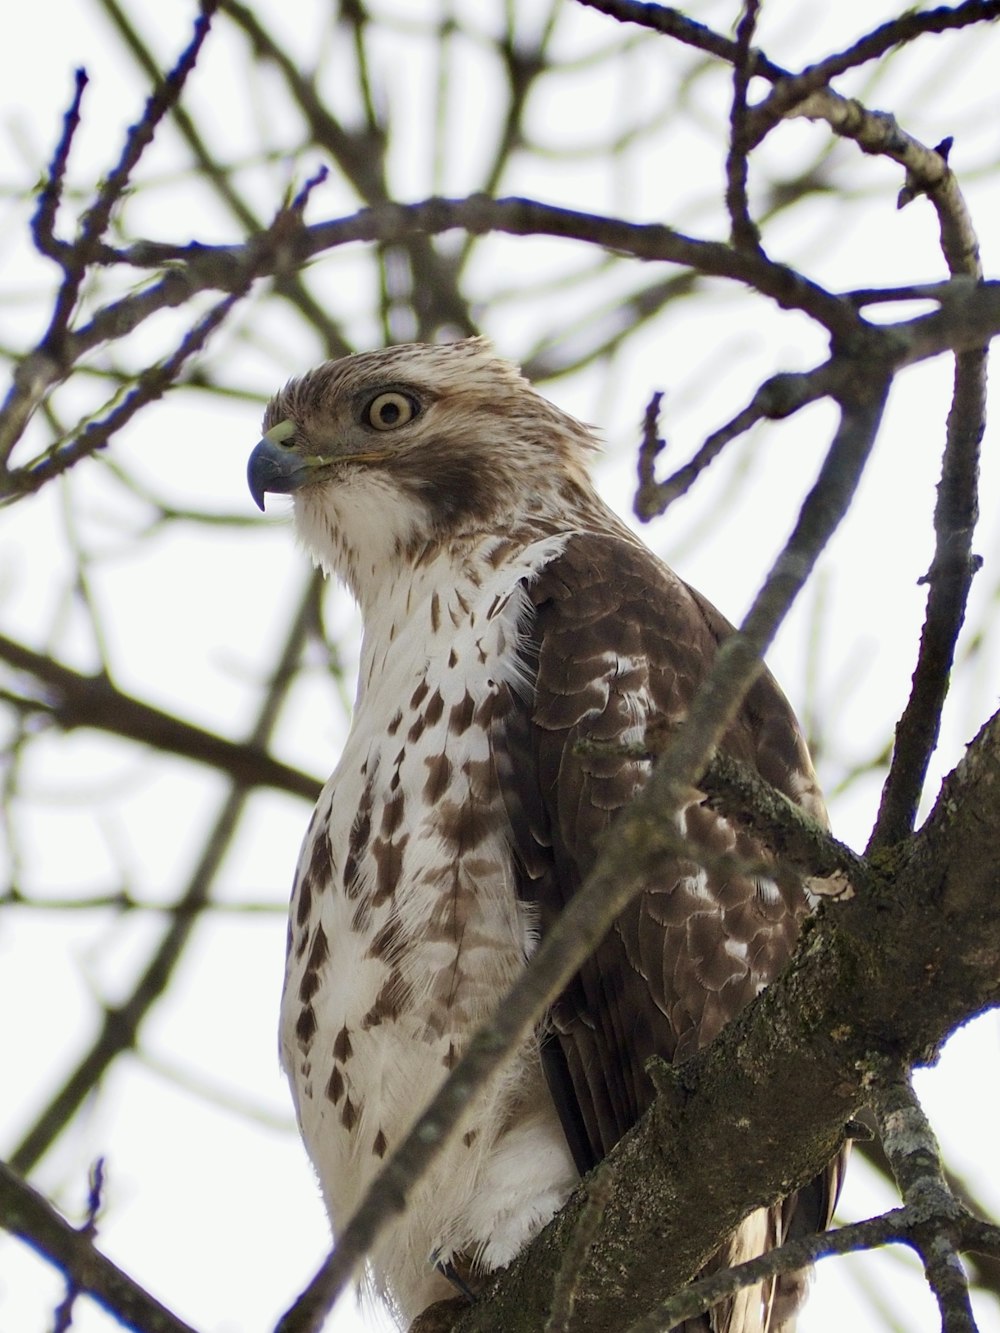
pixel 151 385
pixel 846 940
pixel 954 565
pixel 906 27
pixel 43 222
pixel 525 217
pixel 927 170
pixel 888 1229
pixel 64 1314
pixel 743 231
pixel 913 1152
pixel 72 699
pixel 777 398
pixel 672 23
pixel 651 447
pixel 285 244
pixel 950 580
pixel 870 971
pixel 94 223
pixel 27 1215
pixel 785 829
pixel 219 179
pixel 123 900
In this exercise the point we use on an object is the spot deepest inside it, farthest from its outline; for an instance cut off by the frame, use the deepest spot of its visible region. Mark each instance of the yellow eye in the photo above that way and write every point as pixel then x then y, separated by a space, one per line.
pixel 390 409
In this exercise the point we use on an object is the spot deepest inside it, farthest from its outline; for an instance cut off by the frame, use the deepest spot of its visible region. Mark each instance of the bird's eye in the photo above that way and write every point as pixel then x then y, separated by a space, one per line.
pixel 390 409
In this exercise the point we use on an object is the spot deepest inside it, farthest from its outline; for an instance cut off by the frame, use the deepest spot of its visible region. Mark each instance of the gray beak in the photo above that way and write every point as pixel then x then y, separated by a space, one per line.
pixel 272 468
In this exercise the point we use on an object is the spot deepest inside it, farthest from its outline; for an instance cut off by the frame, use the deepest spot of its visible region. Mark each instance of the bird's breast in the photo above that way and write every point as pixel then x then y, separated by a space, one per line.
pixel 406 929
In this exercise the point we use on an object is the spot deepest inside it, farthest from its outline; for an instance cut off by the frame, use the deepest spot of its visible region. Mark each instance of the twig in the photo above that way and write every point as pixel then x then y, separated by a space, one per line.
pixel 613 326
pixel 777 398
pixel 982 1237
pixel 140 135
pixel 785 828
pixel 918 291
pixel 517 217
pixel 235 268
pixel 123 900
pixel 267 249
pixel 433 291
pixel 43 221
pixel 983 1265
pixel 64 1314
pixel 743 231
pixel 908 1139
pixel 651 447
pixel 219 178
pixel 971 316
pixel 56 353
pixel 151 385
pixel 888 1229
pixel 927 170
pixel 950 580
pixel 736 790
pixel 95 220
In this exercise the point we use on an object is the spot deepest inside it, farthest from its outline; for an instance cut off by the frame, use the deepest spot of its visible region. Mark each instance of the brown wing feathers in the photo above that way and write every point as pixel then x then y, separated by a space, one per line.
pixel 617 642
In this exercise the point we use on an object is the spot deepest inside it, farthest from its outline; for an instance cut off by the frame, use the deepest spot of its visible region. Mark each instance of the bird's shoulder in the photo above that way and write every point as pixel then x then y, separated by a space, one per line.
pixel 619 646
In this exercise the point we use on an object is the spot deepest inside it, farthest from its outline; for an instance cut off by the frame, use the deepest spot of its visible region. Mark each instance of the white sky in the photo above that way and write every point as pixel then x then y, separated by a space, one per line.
pixel 215 1211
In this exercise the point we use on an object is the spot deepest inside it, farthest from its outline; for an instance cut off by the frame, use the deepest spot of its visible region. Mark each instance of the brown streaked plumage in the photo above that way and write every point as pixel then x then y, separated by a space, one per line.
pixel 508 615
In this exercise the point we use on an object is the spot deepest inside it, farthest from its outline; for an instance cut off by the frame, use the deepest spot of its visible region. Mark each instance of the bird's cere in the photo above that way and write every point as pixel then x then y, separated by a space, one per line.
pixel 278 434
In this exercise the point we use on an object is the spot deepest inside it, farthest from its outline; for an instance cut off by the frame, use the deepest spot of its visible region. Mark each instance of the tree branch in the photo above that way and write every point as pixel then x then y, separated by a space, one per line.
pixel 954 565
pixel 913 1153
pixel 671 22
pixel 743 231
pixel 30 1217
pixel 785 829
pixel 907 27
pixel 71 699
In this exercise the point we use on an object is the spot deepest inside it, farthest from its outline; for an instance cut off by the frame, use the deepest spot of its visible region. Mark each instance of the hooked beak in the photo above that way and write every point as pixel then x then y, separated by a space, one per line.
pixel 272 468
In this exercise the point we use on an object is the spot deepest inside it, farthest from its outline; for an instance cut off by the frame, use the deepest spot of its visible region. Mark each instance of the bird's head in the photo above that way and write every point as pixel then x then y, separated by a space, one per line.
pixel 387 450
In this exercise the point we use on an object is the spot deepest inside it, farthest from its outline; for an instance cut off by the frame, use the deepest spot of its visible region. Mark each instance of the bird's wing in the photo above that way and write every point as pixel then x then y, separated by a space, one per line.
pixel 617 644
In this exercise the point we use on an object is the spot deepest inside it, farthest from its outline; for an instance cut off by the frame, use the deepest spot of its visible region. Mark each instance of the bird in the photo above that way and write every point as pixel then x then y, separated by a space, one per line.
pixel 509 616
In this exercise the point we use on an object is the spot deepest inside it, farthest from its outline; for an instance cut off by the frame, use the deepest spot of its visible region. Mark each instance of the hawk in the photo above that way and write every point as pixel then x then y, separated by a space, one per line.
pixel 508 614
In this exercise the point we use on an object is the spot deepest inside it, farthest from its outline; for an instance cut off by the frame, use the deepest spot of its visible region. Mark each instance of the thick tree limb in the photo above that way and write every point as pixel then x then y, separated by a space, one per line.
pixel 761 1111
